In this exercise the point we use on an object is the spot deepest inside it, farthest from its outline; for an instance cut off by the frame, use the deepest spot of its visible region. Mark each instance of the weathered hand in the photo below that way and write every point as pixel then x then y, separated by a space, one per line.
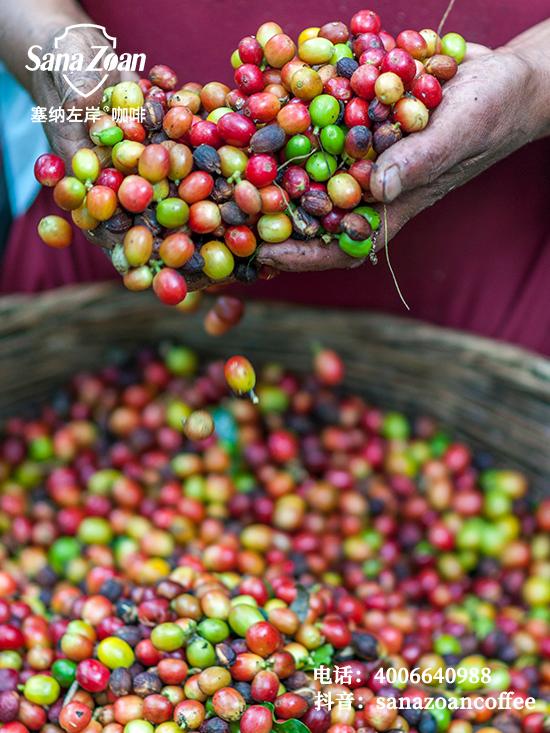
pixel 50 89
pixel 491 108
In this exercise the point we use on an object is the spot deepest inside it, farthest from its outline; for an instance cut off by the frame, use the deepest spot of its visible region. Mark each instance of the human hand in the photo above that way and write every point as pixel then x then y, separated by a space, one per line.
pixel 51 89
pixel 489 109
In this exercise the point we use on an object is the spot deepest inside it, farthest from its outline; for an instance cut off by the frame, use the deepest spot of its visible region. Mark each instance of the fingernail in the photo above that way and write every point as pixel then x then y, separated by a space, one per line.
pixel 392 184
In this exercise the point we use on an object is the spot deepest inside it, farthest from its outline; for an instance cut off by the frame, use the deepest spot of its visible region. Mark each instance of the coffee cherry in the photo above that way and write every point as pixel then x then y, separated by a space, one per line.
pixel 433 41
pixel 55 231
pixel 169 286
pixel 101 202
pixel 366 21
pixel 454 45
pixel 199 425
pixel 163 77
pixel 154 163
pixel 399 62
pixel 240 375
pixel 127 95
pixel 218 260
pixel 172 213
pixel 414 43
pixel 250 51
pixel 49 169
pixel 389 88
pixel 428 90
pixel 261 170
pixel 69 194
pixel 176 250
pixel 442 66
pixel 411 114
pixel 279 50
pixel 74 717
pixel 85 165
pixel 135 194
pixel 140 278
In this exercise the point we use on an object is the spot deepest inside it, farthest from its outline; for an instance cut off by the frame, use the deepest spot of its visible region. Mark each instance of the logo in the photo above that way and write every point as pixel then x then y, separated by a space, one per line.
pixel 101 59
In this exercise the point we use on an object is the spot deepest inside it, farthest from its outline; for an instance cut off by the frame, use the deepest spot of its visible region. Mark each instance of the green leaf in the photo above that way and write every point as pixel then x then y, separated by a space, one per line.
pixel 285 726
pixel 321 656
pixel 300 605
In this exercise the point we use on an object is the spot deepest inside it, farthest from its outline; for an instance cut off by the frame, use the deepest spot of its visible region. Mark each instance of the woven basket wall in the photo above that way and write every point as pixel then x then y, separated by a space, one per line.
pixel 494 395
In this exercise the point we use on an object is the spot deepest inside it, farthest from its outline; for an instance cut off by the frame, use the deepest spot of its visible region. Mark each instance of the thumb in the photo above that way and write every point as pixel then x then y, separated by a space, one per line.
pixel 78 87
pixel 416 160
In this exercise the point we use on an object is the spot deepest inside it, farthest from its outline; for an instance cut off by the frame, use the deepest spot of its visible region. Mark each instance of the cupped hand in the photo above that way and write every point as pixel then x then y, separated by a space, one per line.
pixel 488 110
pixel 50 89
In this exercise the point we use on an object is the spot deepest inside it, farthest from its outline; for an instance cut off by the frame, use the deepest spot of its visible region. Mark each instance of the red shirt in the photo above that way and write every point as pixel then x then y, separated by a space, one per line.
pixel 478 260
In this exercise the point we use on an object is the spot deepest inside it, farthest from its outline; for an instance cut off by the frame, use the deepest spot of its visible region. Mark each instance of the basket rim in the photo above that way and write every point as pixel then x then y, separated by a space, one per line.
pixel 21 310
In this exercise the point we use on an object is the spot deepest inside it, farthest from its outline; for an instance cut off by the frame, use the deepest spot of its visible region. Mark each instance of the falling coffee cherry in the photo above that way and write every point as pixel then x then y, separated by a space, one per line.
pixel 241 377
pixel 199 425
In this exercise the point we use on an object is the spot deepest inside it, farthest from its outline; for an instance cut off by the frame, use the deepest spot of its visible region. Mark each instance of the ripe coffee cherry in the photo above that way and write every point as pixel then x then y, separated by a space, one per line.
pixel 55 231
pixel 162 76
pixel 240 240
pixel 263 638
pixel 199 425
pixel 295 181
pixel 49 169
pixel 154 163
pixel 256 719
pixel 279 50
pixel 262 107
pixel 399 62
pixel 428 90
pixel 289 705
pixel 240 375
pixel 366 21
pixel 205 133
pixel 366 41
pixel 413 43
pixel 328 367
pixel 250 51
pixel 357 112
pixel 176 250
pixel 110 177
pixel 101 202
pixel 196 187
pixel 248 198
pixel 261 170
pixel 265 686
pixel 411 114
pixel 235 129
pixel 249 78
pixel 294 119
pixel 135 194
pixel 92 675
pixel 364 79
pixel 177 122
pixel 169 286
pixel 389 88
pixel 74 717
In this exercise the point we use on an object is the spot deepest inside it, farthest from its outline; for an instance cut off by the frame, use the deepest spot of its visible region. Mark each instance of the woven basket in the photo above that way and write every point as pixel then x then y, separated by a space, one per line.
pixel 495 396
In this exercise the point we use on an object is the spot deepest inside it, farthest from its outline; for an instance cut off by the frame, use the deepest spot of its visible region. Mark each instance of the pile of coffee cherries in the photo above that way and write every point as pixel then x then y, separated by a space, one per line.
pixel 196 177
pixel 155 582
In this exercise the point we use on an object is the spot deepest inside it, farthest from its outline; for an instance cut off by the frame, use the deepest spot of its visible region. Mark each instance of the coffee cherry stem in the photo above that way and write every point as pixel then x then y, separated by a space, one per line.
pixel 71 692
pixel 316 133
pixel 388 258
pixel 292 161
